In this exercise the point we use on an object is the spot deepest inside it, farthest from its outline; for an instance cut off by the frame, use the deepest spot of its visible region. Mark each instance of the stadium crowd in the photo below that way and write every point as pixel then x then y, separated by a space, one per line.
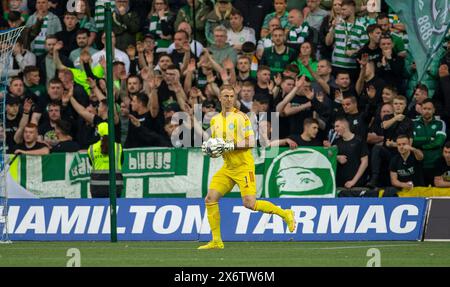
pixel 310 72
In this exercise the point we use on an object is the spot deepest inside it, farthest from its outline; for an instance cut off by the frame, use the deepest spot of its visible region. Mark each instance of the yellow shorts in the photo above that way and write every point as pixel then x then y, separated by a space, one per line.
pixel 225 179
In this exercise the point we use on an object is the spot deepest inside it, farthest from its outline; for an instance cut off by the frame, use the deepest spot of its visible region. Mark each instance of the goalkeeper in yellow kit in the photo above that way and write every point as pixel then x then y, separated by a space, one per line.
pixel 232 137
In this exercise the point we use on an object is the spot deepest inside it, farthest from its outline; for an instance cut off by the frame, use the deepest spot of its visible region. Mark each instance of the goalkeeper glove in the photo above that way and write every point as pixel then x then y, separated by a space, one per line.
pixel 228 146
pixel 204 148
pixel 214 147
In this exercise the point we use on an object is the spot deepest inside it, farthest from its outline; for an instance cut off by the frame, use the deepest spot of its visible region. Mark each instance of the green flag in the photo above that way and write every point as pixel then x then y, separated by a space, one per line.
pixel 80 169
pixel 55 159
pixel 427 23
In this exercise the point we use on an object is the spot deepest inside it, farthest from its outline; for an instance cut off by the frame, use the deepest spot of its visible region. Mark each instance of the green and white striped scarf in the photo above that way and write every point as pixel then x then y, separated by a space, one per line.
pixel 100 12
pixel 154 28
pixel 38 45
pixel 298 35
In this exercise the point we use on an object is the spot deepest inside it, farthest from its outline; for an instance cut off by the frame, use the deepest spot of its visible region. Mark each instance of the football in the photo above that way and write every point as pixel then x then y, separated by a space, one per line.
pixel 213 147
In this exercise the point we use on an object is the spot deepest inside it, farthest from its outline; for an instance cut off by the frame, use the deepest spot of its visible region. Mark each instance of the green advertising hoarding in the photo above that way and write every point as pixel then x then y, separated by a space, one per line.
pixel 170 172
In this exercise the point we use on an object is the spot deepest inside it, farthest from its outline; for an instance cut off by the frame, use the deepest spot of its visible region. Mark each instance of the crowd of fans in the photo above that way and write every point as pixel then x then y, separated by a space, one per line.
pixel 314 73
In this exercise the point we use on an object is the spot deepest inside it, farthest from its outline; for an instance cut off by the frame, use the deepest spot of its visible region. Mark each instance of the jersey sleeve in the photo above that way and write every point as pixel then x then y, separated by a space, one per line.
pixel 245 127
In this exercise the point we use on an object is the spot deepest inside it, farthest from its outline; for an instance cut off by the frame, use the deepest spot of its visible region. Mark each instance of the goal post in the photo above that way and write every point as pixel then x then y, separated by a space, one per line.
pixel 8 40
pixel 111 139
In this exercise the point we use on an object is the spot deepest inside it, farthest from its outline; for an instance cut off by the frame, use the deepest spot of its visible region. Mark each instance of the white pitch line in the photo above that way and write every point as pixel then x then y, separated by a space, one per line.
pixel 251 248
pixel 362 246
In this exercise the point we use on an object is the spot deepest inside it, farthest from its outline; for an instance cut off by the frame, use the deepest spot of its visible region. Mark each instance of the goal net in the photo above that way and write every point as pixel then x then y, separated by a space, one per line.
pixel 8 39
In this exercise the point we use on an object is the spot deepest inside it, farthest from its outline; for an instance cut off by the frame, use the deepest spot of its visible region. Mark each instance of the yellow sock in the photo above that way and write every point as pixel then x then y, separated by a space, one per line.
pixel 214 220
pixel 269 207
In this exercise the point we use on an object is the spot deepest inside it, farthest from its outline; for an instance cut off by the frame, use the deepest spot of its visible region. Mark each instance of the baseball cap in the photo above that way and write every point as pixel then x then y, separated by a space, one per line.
pixel 102 129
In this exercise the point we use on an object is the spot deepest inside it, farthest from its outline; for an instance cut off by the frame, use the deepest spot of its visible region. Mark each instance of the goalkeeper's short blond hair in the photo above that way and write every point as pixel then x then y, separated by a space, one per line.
pixel 226 87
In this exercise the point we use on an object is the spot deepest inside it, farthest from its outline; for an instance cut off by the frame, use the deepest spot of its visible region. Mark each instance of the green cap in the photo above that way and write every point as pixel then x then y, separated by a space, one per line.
pixel 102 129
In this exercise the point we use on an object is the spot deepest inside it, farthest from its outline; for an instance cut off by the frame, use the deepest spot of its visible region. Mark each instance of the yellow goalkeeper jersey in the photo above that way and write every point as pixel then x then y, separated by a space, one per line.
pixel 235 126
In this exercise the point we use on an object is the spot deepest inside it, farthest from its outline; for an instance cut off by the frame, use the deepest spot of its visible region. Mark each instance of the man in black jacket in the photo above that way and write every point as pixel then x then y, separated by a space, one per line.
pixel 389 67
pixel 69 33
pixel 125 24
pixel 393 126
pixel 65 139
pixel 142 127
pixel 352 158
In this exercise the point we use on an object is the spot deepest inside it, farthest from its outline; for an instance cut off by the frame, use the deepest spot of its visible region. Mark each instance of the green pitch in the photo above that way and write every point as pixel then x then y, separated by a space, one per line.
pixel 243 254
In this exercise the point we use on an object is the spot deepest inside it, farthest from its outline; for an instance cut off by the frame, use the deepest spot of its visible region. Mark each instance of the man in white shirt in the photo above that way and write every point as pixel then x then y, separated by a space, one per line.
pixel 118 55
pixel 238 34
pixel 20 58
pixel 196 46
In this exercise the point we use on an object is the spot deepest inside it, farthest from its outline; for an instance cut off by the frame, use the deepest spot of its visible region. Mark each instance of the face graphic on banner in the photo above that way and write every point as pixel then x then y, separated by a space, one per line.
pixel 301 172
pixel 291 177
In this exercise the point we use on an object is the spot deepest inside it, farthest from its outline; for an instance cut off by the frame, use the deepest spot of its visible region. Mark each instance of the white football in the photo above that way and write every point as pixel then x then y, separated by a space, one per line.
pixel 214 147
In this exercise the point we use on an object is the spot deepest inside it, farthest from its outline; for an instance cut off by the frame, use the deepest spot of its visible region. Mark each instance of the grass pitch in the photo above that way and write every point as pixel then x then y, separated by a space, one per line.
pixel 235 254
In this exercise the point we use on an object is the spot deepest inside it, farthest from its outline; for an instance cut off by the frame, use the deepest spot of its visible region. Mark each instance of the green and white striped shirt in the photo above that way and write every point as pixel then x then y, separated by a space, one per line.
pixel 348 36
pixel 155 29
pixel 298 35
pixel 50 26
pixel 100 12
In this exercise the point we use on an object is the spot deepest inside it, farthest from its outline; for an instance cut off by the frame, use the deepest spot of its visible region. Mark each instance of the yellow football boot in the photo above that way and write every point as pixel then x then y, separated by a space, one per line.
pixel 212 245
pixel 290 220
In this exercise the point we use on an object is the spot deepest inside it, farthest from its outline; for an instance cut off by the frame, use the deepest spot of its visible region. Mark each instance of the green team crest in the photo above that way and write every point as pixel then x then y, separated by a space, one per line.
pixel 302 172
